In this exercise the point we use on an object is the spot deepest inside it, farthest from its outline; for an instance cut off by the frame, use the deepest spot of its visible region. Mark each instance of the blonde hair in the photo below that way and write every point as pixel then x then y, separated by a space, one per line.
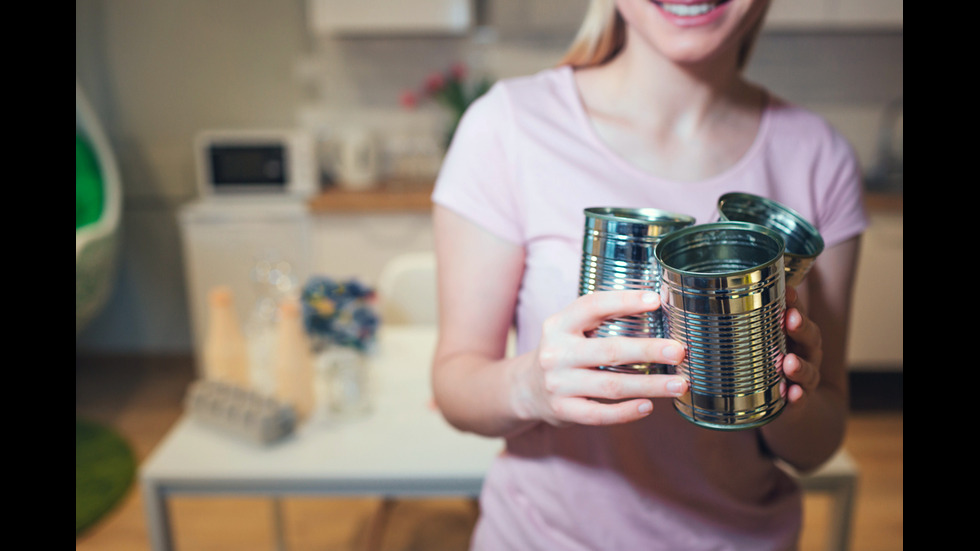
pixel 602 36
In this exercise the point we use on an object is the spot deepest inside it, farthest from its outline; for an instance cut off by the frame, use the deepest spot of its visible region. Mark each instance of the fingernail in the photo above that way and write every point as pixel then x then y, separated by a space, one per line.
pixel 673 352
pixel 675 386
pixel 645 407
pixel 795 319
pixel 649 297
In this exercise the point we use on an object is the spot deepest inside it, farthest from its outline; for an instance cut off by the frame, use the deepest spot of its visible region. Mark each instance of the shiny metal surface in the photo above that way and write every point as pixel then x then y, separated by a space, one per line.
pixel 723 295
pixel 803 242
pixel 618 254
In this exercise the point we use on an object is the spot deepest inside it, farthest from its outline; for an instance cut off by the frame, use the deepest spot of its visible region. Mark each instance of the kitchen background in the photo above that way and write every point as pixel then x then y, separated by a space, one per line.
pixel 158 73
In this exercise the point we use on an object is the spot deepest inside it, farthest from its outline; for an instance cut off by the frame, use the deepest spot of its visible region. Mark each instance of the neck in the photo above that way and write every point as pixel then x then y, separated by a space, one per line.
pixel 683 122
pixel 667 93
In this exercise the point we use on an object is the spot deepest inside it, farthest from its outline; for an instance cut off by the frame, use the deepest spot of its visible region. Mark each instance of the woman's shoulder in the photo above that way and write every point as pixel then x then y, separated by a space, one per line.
pixel 790 118
pixel 792 125
pixel 532 91
pixel 546 99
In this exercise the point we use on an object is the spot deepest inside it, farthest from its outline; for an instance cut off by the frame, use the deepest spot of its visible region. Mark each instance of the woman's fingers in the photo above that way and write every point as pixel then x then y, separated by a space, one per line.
pixel 793 299
pixel 803 376
pixel 592 352
pixel 583 411
pixel 574 391
pixel 801 366
pixel 610 385
pixel 804 335
pixel 588 311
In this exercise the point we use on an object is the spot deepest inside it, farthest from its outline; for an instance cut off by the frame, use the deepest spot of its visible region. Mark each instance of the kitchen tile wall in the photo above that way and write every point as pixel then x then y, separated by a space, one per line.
pixel 160 72
pixel 848 75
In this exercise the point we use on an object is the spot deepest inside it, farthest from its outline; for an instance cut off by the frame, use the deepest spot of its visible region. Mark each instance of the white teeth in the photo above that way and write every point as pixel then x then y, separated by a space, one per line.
pixel 687 10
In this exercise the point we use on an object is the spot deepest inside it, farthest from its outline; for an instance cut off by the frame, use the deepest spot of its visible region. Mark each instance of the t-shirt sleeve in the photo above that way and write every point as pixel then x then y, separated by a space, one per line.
pixel 842 212
pixel 477 175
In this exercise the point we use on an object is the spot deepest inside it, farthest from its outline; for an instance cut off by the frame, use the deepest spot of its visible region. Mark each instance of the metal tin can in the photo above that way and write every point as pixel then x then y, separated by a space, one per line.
pixel 723 295
pixel 618 254
pixel 803 242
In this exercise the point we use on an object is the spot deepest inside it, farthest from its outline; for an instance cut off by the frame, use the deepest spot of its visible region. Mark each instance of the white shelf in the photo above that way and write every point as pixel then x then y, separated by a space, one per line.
pixel 835 14
pixel 373 17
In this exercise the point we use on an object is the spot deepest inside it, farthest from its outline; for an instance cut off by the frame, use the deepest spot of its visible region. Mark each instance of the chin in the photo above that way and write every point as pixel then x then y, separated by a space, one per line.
pixel 690 33
pixel 693 53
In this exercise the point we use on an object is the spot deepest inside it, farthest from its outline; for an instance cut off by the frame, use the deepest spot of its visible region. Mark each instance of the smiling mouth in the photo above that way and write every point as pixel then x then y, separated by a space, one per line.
pixel 689 10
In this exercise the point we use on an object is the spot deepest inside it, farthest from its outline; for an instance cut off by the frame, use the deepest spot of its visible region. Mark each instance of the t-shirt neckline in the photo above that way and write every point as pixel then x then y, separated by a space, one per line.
pixel 578 106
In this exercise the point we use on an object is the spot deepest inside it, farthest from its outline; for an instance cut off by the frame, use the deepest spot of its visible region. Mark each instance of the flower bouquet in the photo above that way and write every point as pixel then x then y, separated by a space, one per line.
pixel 342 322
pixel 451 90
pixel 339 313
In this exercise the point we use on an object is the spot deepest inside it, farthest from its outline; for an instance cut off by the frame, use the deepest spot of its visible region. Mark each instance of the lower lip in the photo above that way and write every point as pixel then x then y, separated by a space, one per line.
pixel 697 20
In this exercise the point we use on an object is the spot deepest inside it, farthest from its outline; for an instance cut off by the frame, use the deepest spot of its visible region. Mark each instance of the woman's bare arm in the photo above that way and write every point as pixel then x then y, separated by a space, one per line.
pixel 479 390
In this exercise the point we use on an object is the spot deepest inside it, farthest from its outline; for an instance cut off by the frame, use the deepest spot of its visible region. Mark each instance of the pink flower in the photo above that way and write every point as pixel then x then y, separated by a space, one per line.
pixel 408 99
pixel 458 71
pixel 434 83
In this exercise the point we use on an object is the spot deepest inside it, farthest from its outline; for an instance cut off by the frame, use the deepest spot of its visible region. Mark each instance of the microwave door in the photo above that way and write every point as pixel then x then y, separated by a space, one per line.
pixel 248 168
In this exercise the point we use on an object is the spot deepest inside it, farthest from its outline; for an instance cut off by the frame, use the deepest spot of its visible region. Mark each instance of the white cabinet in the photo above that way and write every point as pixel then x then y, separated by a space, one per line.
pixel 877 321
pixel 230 242
pixel 373 17
pixel 806 14
pixel 358 245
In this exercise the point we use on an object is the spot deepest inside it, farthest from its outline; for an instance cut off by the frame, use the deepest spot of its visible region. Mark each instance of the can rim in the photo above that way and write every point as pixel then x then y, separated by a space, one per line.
pixel 641 215
pixel 808 227
pixel 666 242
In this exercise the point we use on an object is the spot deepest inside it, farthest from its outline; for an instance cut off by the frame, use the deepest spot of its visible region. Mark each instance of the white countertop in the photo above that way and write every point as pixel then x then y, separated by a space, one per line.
pixel 402 446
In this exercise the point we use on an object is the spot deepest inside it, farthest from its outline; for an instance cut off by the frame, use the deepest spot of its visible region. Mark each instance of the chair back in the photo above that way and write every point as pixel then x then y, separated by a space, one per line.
pixel 97 241
pixel 407 289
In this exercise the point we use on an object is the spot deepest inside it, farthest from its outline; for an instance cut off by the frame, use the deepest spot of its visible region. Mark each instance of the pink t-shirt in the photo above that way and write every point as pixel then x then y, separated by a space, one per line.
pixel 524 164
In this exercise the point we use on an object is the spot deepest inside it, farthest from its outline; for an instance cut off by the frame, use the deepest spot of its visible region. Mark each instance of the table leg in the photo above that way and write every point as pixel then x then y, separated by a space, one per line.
pixel 843 509
pixel 277 526
pixel 157 517
pixel 376 527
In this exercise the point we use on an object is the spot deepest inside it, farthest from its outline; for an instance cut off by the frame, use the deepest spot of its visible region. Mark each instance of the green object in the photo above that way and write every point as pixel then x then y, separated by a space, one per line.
pixel 105 467
pixel 89 193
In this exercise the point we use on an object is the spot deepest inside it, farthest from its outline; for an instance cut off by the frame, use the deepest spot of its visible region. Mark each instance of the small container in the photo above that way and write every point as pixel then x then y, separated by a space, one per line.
pixel 803 242
pixel 723 296
pixel 618 254
pixel 225 348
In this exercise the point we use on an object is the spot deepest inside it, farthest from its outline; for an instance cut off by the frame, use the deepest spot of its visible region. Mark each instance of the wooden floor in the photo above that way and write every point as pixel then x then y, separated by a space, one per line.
pixel 142 397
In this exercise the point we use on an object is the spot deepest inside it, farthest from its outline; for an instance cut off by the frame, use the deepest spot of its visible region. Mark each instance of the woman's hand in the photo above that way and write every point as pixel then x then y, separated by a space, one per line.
pixel 560 384
pixel 801 366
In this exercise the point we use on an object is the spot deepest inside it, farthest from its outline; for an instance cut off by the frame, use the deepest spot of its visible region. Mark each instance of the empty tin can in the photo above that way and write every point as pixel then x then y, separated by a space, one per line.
pixel 618 254
pixel 723 295
pixel 803 242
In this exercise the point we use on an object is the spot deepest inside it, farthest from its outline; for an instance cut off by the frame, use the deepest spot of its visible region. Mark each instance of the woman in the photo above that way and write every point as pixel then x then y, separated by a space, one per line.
pixel 649 109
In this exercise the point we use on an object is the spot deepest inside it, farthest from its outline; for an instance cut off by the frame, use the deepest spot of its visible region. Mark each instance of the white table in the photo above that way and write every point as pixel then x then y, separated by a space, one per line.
pixel 402 448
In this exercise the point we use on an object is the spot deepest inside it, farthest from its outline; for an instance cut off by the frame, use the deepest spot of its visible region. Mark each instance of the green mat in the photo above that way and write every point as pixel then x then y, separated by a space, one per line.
pixel 104 470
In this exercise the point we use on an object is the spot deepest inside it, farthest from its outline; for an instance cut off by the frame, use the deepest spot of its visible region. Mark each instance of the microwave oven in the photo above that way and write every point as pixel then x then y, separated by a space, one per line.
pixel 247 162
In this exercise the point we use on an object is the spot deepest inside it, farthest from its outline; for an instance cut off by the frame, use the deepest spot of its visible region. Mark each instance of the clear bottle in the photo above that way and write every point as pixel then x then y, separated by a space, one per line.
pixel 272 280
pixel 225 349
pixel 294 361
pixel 260 332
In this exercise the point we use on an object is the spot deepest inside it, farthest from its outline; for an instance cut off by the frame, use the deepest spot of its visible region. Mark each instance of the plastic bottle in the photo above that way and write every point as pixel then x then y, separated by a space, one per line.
pixel 225 349
pixel 294 361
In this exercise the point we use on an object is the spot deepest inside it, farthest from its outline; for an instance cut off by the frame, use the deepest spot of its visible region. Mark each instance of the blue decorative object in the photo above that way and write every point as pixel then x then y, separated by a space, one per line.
pixel 339 312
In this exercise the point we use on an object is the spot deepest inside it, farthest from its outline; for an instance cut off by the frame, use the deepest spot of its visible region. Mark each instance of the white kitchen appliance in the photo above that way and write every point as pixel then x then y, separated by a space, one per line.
pixel 259 249
pixel 256 162
pixel 357 159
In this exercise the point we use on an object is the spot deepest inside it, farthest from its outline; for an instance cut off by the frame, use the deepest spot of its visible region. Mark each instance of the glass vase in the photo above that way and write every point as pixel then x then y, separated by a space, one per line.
pixel 344 380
